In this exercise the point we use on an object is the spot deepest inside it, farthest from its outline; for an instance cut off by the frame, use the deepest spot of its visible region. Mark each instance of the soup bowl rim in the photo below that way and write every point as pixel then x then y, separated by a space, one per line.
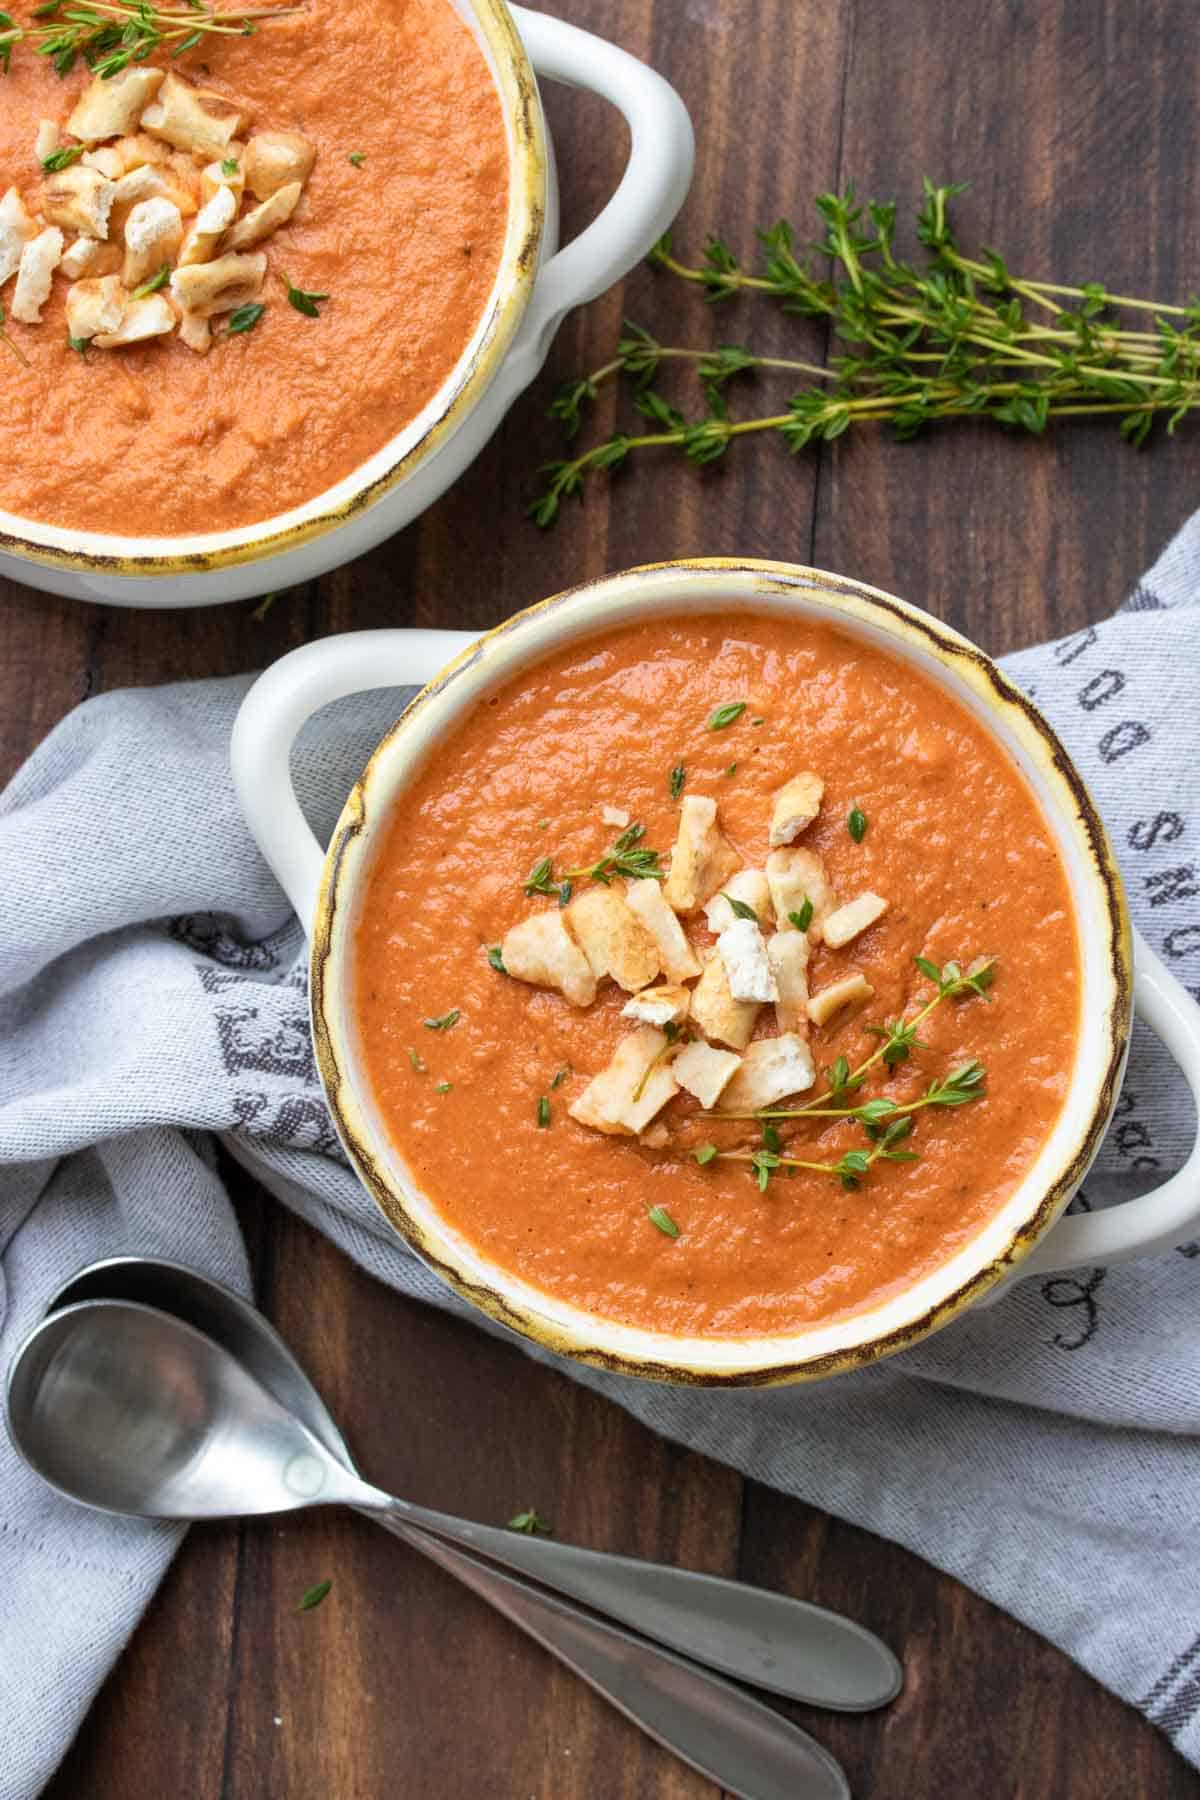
pixel 391 464
pixel 523 640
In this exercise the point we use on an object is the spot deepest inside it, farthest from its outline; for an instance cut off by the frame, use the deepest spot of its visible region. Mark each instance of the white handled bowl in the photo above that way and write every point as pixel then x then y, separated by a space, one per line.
pixel 537 283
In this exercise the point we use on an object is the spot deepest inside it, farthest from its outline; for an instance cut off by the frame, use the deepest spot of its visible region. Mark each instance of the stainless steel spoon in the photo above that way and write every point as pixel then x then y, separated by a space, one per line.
pixel 783 1645
pixel 132 1410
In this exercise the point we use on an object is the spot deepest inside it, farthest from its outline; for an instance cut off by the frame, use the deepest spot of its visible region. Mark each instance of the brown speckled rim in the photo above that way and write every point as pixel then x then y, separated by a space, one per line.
pixel 847 601
pixel 466 386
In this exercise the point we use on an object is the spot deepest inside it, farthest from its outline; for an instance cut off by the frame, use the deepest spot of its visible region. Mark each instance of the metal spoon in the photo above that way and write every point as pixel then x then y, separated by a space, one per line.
pixel 783 1645
pixel 131 1410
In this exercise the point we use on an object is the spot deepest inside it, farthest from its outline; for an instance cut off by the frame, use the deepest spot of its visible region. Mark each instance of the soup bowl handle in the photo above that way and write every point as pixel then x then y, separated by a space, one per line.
pixel 1169 1214
pixel 651 190
pixel 281 700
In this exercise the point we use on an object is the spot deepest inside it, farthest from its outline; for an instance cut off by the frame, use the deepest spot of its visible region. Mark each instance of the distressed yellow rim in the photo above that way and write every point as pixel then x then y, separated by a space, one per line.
pixel 527 203
pixel 902 620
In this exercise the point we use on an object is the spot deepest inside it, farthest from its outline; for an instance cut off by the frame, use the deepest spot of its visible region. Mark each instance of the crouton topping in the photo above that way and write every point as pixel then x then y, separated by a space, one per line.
pixel 613 938
pixel 149 317
pixel 96 305
pixel 273 159
pixel 153 234
pixel 788 953
pixel 851 920
pixel 261 221
pixel 111 105
pixel 17 226
pixel 541 951
pixel 830 1000
pixel 199 120
pixel 623 1098
pixel 743 950
pixel 665 1005
pixel 704 1071
pixel 699 1039
pixel 221 286
pixel 799 888
pixel 716 1013
pixel 796 806
pixel 143 151
pixel 679 960
pixel 747 888
pixel 78 199
pixel 35 271
pixel 772 1069
pixel 701 861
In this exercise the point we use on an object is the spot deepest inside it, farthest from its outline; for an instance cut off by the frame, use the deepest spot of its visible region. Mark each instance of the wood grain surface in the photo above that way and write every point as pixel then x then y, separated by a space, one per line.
pixel 1078 126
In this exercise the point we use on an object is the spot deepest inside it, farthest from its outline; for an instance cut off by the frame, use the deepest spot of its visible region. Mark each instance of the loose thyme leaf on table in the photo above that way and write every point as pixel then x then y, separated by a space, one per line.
pixel 951 337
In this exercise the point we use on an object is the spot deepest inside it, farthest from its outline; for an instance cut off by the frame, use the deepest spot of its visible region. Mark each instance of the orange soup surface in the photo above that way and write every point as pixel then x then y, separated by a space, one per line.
pixel 954 841
pixel 156 439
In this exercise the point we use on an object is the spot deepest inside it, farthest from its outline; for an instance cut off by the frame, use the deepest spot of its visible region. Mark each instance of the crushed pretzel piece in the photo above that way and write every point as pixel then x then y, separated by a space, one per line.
pixel 613 938
pixel 850 920
pixel 79 199
pixel 110 106
pixel 743 950
pixel 17 226
pixel 153 234
pixel 210 225
pixel 40 257
pixel 152 316
pixel 219 287
pixel 701 861
pixel 705 1071
pixel 198 120
pixel 679 960
pixel 607 1102
pixel 788 953
pixel 830 1000
pixel 664 1005
pixel 275 158
pixel 262 220
pixel 750 887
pixel 95 305
pixel 716 1013
pixel 541 951
pixel 88 256
pixel 796 876
pixel 796 806
pixel 772 1069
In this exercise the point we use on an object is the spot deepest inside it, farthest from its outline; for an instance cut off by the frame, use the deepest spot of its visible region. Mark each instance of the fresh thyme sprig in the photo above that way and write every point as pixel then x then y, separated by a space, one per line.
pixel 625 858
pixel 849 1168
pixel 10 36
pixel 885 1122
pixel 956 337
pixel 109 35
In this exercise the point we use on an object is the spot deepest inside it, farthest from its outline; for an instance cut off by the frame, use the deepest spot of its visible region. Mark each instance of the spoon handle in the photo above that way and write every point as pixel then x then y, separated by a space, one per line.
pixel 786 1646
pixel 748 1750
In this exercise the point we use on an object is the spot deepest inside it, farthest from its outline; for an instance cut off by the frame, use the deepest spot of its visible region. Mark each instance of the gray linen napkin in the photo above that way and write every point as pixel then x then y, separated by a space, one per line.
pixel 152 991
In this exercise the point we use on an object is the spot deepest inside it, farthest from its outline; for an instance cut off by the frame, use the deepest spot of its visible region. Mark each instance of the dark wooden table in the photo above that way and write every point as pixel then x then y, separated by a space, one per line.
pixel 1078 127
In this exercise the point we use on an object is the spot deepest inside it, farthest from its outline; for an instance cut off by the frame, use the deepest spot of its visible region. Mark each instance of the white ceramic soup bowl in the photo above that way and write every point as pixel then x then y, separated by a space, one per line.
pixel 326 887
pixel 536 284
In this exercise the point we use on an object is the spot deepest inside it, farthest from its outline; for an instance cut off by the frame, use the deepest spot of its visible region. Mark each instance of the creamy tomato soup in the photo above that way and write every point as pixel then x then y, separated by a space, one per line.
pixel 401 224
pixel 922 840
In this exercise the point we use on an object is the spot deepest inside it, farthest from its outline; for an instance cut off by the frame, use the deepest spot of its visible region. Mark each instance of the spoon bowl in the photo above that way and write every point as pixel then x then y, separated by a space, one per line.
pixel 131 1410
